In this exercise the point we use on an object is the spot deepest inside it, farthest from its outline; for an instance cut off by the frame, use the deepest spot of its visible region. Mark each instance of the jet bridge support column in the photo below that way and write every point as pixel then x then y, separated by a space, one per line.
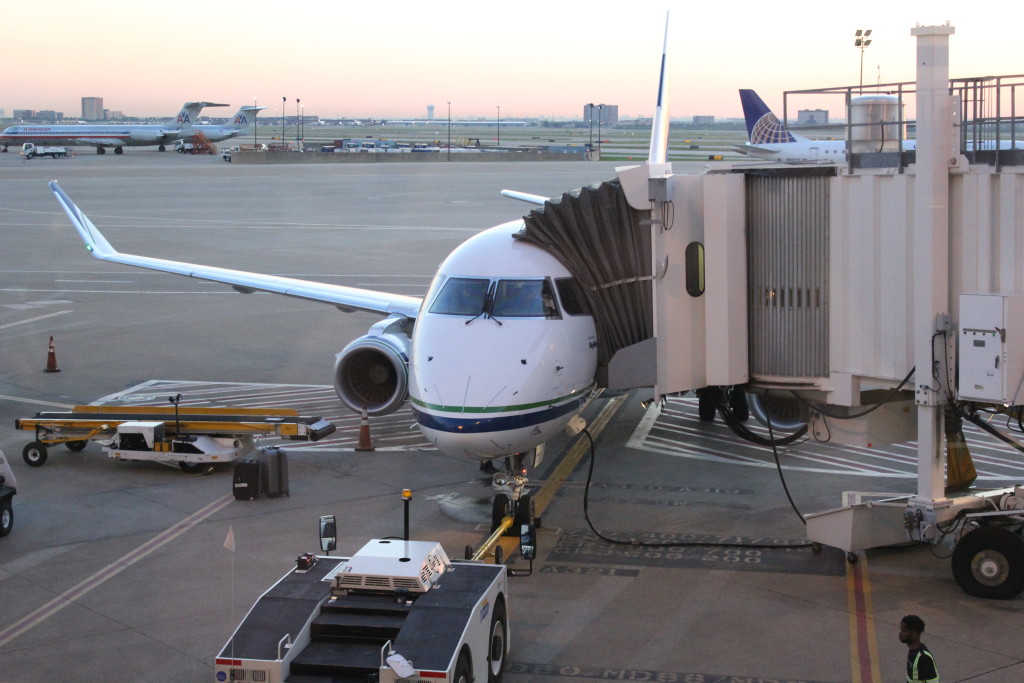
pixel 931 265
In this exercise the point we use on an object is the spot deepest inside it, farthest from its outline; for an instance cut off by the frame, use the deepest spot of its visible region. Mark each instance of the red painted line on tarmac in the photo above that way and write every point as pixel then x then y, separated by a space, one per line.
pixel 863 645
pixel 72 594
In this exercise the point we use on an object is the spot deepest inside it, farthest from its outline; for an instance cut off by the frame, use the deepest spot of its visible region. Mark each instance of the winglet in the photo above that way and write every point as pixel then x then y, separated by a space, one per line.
pixel 94 240
pixel 659 131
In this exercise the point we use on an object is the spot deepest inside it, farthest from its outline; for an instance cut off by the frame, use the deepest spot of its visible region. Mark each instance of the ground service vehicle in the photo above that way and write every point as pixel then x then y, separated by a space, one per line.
pixel 29 150
pixel 396 610
pixel 8 487
pixel 193 436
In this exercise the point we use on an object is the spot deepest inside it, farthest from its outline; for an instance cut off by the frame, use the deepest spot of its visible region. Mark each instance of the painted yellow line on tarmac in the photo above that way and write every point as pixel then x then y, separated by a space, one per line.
pixel 863 644
pixel 80 589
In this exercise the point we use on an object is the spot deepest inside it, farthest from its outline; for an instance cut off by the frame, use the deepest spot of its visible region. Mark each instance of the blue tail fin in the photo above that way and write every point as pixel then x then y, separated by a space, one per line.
pixel 763 127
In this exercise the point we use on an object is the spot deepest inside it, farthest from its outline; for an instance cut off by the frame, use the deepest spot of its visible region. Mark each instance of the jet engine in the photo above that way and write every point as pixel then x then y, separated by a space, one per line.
pixel 372 372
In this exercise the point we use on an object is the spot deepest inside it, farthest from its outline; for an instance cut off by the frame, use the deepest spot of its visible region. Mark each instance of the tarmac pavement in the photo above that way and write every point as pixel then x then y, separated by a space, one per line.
pixel 117 571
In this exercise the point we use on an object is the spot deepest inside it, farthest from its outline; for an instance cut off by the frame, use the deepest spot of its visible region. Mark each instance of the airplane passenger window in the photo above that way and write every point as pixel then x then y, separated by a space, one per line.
pixel 461 296
pixel 524 298
pixel 571 295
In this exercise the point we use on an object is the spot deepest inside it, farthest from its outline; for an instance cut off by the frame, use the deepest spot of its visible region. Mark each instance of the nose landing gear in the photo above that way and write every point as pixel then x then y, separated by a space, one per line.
pixel 512 498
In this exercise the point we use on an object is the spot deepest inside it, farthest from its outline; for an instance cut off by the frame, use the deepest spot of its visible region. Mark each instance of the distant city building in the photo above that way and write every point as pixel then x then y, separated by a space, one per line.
pixel 24 113
pixel 49 115
pixel 92 108
pixel 603 113
pixel 812 117
pixel 113 114
pixel 430 112
pixel 703 120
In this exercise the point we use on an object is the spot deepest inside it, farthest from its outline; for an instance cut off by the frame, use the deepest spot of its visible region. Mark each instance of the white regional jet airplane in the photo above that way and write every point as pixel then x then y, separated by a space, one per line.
pixel 496 359
pixel 106 135
pixel 241 123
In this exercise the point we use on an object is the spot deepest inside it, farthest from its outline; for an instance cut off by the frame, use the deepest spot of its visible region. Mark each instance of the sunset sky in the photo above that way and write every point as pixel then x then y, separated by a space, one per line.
pixel 393 58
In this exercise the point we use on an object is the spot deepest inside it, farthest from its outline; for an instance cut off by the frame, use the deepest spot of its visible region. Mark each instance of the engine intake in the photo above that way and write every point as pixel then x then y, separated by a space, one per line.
pixel 373 371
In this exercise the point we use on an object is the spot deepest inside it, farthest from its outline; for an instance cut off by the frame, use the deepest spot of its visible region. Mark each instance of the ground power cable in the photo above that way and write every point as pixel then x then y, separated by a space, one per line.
pixel 669 544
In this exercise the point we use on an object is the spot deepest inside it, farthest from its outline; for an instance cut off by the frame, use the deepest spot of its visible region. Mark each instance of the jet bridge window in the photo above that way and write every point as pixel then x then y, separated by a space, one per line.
pixel 524 299
pixel 461 296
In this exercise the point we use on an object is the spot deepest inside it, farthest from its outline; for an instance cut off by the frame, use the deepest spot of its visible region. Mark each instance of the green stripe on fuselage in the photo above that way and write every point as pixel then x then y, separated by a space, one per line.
pixel 502 409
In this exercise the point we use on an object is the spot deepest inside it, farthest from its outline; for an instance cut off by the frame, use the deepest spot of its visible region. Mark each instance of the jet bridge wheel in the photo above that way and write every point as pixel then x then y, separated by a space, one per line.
pixel 989 563
pixel 35 454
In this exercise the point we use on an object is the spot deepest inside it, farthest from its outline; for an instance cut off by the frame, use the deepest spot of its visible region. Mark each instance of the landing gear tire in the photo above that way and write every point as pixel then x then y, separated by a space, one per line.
pixel 7 517
pixel 35 454
pixel 76 446
pixel 119 150
pixel 524 514
pixel 989 563
pixel 497 645
pixel 101 150
pixel 161 148
pixel 499 510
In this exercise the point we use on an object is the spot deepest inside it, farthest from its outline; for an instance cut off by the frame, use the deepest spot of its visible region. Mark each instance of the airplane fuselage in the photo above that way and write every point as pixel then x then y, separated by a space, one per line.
pixel 95 136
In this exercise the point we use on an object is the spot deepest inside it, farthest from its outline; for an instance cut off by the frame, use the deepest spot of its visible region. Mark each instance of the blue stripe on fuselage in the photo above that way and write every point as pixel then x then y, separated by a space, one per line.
pixel 481 424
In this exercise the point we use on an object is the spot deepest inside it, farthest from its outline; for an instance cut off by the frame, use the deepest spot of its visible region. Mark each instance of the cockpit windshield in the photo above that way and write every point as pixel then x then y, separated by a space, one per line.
pixel 461 296
pixel 504 298
pixel 523 299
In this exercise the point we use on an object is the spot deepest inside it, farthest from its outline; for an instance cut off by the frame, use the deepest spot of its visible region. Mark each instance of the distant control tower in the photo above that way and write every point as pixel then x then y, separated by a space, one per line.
pixel 430 112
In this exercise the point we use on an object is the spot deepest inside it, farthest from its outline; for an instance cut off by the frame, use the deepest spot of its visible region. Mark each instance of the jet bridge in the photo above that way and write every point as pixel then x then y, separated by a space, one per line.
pixel 866 303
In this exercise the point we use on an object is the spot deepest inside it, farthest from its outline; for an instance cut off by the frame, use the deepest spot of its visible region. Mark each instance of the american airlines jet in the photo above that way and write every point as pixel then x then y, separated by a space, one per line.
pixel 102 136
pixel 241 123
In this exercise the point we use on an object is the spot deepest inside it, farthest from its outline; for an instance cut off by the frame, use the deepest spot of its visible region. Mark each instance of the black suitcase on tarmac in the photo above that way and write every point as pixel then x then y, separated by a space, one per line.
pixel 273 472
pixel 246 481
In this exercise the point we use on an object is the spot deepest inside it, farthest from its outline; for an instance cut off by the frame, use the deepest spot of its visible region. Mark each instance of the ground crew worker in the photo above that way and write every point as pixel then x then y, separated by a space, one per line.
pixel 920 663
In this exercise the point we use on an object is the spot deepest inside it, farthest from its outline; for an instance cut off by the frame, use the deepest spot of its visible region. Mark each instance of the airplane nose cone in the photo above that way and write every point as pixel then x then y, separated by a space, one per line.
pixel 468 391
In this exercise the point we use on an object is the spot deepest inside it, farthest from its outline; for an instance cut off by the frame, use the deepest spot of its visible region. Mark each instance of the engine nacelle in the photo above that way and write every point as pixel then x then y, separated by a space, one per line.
pixel 373 371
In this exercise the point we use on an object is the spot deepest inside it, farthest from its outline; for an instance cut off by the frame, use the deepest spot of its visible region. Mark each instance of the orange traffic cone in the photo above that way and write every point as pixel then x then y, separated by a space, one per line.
pixel 51 359
pixel 364 433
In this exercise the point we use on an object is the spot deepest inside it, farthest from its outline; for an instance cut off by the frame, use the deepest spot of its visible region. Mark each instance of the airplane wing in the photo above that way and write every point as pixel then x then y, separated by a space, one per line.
pixel 344 298
pixel 524 196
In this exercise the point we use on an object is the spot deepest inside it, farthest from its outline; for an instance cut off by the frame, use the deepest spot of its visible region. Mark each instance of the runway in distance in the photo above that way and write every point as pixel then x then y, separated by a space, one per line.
pixel 102 136
pixel 241 123
pixel 495 360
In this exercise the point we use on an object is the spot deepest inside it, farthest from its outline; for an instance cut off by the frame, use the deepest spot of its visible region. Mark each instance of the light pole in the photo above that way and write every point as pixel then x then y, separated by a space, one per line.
pixel 600 115
pixel 254 123
pixel 499 126
pixel 302 128
pixel 862 41
pixel 297 122
pixel 449 130
pixel 283 100
pixel 590 107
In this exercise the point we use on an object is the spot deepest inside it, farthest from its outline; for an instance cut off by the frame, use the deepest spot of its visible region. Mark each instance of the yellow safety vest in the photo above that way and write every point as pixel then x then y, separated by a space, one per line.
pixel 912 678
